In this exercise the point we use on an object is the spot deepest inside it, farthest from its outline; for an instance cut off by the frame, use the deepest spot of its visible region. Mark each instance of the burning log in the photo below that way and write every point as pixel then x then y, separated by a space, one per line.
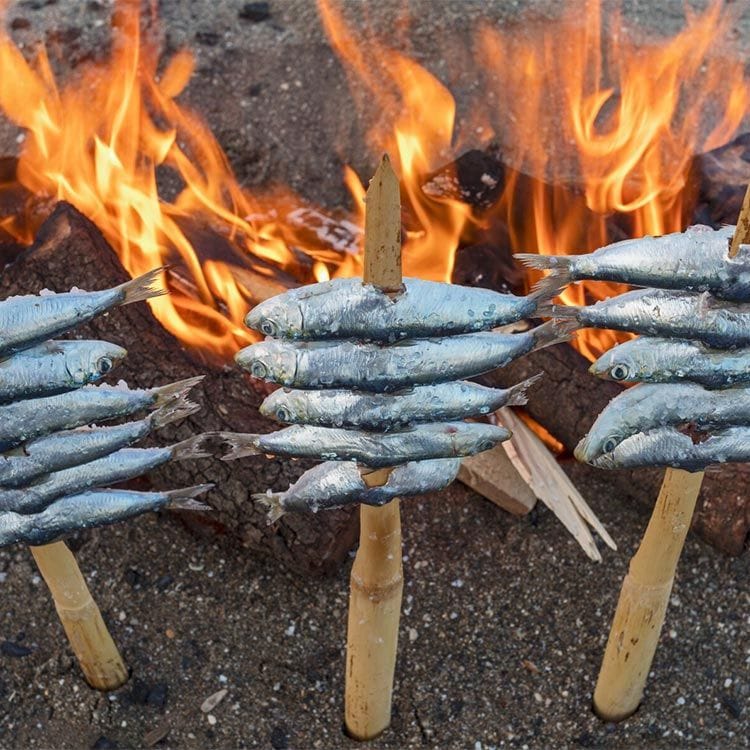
pixel 68 251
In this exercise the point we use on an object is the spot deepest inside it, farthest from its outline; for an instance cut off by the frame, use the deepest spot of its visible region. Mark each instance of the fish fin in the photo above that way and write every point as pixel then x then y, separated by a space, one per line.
pixel 565 311
pixel 272 503
pixel 173 411
pixel 184 498
pixel 705 303
pixel 548 287
pixel 553 332
pixel 193 447
pixel 517 394
pixel 166 394
pixel 241 444
pixel 143 287
pixel 546 262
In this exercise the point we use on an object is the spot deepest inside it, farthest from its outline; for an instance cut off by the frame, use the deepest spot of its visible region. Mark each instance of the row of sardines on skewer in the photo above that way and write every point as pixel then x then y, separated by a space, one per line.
pixel 372 380
pixel 691 358
pixel 58 462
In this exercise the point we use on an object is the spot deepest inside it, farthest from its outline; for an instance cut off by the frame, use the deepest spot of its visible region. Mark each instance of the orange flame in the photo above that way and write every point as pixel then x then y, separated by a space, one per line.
pixel 622 126
pixel 97 142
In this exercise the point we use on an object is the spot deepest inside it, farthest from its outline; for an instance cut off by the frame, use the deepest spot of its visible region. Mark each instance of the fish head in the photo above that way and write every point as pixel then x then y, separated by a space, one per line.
pixel 278 317
pixel 618 364
pixel 481 437
pixel 269 360
pixel 591 449
pixel 89 361
pixel 283 405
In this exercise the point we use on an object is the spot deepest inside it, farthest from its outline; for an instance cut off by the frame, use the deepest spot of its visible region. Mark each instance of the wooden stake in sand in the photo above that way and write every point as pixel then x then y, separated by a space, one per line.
pixel 377 576
pixel 89 638
pixel 645 591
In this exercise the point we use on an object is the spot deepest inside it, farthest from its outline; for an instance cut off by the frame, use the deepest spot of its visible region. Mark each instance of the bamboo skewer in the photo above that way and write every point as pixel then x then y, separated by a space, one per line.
pixel 97 655
pixel 645 592
pixel 377 574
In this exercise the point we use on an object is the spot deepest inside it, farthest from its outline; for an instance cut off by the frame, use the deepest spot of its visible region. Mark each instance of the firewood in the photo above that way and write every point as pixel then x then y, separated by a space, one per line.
pixel 69 251
pixel 493 476
pixel 377 579
pixel 551 485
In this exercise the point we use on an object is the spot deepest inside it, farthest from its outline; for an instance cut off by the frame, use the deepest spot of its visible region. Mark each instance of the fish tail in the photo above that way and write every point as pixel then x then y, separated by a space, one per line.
pixel 558 263
pixel 193 447
pixel 565 311
pixel 184 499
pixel 167 394
pixel 271 501
pixel 173 411
pixel 143 287
pixel 553 332
pixel 548 287
pixel 241 444
pixel 518 393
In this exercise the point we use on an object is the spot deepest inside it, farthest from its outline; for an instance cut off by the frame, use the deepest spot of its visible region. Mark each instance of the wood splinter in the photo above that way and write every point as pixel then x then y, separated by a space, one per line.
pixel 377 580
pixel 645 592
pixel 97 655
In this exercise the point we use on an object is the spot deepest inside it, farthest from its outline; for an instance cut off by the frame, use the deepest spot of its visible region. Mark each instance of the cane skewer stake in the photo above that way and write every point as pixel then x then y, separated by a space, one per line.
pixel 646 589
pixel 97 655
pixel 377 575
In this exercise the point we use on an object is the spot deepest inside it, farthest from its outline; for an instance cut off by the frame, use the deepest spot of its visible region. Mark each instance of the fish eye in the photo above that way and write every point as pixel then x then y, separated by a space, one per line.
pixel 258 369
pixel 268 327
pixel 486 445
pixel 104 365
pixel 619 372
pixel 610 445
pixel 282 414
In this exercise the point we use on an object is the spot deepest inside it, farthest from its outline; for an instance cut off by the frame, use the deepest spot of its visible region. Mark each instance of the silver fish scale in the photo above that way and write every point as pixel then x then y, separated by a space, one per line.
pixel 335 484
pixel 82 511
pixel 347 308
pixel 446 440
pixel 28 320
pixel 694 260
pixel 655 312
pixel 380 411
pixel 55 367
pixel 68 448
pixel 666 446
pixel 379 368
pixel 116 467
pixel 24 420
pixel 661 360
pixel 647 406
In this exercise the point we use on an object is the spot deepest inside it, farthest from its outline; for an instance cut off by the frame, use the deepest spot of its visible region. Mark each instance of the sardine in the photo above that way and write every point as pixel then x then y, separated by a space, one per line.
pixel 372 367
pixel 347 308
pixel 650 405
pixel 655 312
pixel 657 360
pixel 31 319
pixel 127 463
pixel 335 484
pixel 694 260
pixel 444 440
pixel 55 367
pixel 25 420
pixel 667 446
pixel 92 508
pixel 378 411
pixel 61 450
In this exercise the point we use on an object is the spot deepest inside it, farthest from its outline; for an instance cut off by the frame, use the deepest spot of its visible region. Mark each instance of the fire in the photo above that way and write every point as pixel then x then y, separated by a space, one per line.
pixel 98 142
pixel 570 103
